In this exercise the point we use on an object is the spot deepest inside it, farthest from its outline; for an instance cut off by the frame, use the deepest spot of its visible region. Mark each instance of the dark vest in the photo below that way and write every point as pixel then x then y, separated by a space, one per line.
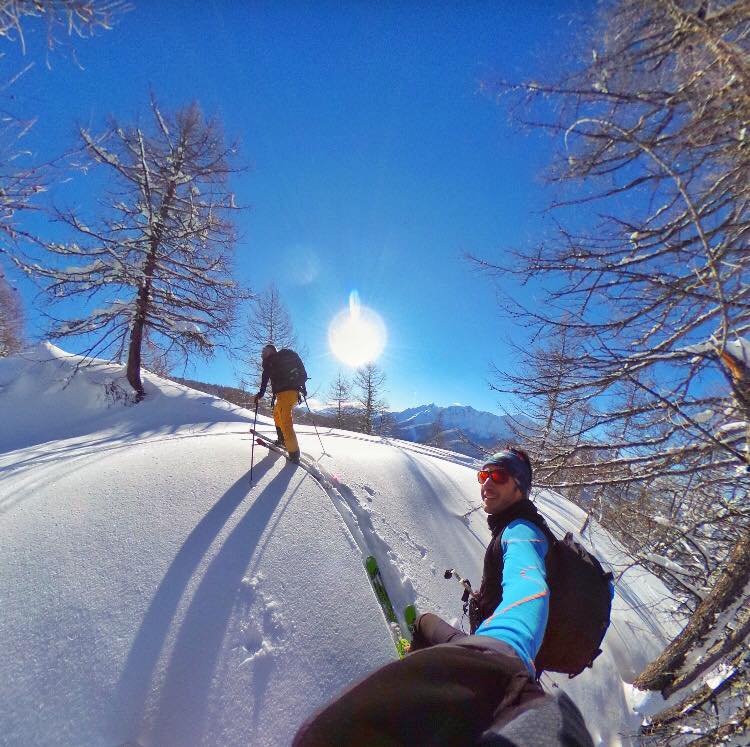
pixel 490 594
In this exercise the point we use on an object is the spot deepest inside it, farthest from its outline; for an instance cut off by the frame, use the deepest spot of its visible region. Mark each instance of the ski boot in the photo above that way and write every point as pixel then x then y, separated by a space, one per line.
pixel 294 456
pixel 280 440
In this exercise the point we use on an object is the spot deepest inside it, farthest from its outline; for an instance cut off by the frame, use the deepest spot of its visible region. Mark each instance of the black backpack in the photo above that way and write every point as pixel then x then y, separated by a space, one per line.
pixel 288 371
pixel 579 607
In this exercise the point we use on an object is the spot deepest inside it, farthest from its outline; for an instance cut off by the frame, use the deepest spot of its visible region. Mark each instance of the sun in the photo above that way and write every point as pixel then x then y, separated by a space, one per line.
pixel 356 335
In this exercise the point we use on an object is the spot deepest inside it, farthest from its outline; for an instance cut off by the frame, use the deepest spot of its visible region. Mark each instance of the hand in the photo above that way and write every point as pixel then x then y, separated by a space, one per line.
pixel 256 398
pixel 299 398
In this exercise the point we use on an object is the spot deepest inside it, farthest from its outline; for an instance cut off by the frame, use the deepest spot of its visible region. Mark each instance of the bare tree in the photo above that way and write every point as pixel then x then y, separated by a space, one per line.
pixel 269 322
pixel 340 394
pixel 20 179
pixel 654 134
pixel 368 386
pixel 79 18
pixel 159 254
pixel 386 423
pixel 436 434
pixel 11 319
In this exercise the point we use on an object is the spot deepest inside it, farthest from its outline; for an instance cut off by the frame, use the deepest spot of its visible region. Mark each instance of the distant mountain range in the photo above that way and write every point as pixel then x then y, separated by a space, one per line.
pixel 457 428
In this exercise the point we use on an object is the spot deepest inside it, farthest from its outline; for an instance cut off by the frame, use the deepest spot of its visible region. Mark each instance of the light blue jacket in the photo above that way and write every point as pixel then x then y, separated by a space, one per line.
pixel 521 618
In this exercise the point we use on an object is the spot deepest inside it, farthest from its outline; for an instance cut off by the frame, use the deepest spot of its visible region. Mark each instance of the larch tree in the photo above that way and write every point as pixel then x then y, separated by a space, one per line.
pixel 647 271
pixel 269 322
pixel 340 393
pixel 21 179
pixel 368 392
pixel 62 18
pixel 11 319
pixel 158 254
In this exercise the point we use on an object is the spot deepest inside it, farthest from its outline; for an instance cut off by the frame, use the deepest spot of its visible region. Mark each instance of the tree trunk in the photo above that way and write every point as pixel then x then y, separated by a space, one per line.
pixel 136 333
pixel 675 713
pixel 739 724
pixel 719 650
pixel 144 293
pixel 663 671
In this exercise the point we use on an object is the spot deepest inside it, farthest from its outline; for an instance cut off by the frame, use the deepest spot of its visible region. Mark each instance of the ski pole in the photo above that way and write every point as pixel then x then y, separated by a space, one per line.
pixel 252 448
pixel 453 573
pixel 314 425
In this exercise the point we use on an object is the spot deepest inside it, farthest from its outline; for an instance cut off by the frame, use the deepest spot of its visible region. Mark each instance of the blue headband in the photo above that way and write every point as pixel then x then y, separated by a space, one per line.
pixel 516 465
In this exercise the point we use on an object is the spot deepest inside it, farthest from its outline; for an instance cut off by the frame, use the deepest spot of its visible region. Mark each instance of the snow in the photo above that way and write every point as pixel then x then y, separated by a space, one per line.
pixel 732 427
pixel 94 266
pixel 719 675
pixel 666 563
pixel 699 348
pixel 704 416
pixel 151 593
pixel 740 349
pixel 184 326
pixel 646 703
pixel 483 425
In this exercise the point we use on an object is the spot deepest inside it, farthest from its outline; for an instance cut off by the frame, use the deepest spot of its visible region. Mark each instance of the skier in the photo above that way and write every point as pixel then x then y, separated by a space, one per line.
pixel 479 689
pixel 287 374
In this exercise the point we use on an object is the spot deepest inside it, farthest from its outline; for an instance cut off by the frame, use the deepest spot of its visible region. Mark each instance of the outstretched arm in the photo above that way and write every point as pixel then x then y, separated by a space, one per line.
pixel 521 617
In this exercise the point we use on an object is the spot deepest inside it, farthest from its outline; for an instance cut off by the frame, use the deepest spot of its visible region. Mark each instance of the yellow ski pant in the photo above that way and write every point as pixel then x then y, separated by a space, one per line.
pixel 282 416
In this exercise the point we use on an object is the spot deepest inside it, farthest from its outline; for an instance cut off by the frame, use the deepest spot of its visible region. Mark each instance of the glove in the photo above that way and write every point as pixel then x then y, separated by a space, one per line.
pixel 474 612
pixel 299 398
pixel 303 389
pixel 256 398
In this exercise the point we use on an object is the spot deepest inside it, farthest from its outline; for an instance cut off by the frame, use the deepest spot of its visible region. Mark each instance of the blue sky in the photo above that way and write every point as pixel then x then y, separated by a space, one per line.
pixel 375 161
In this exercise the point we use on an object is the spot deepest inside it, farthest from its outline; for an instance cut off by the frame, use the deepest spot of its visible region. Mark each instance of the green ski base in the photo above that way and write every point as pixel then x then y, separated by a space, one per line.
pixel 410 613
pixel 410 616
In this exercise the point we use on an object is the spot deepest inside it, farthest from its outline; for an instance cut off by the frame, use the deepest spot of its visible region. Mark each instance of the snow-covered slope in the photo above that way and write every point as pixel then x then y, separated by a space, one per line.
pixel 151 593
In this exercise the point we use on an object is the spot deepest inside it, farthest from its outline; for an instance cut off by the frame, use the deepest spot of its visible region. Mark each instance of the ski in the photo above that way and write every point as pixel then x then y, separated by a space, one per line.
pixel 410 617
pixel 378 585
pixel 262 440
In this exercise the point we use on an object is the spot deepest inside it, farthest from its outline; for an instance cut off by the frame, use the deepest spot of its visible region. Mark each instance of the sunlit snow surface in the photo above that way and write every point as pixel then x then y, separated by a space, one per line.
pixel 150 593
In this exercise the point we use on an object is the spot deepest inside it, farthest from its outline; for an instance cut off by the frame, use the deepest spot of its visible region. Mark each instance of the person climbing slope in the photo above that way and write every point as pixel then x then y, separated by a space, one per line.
pixel 286 372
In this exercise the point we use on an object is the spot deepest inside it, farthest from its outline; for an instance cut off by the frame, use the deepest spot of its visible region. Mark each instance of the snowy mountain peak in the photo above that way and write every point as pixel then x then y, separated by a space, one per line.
pixel 476 424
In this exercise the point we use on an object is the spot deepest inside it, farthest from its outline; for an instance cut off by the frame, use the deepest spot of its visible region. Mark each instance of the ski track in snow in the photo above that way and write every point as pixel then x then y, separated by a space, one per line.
pixel 360 521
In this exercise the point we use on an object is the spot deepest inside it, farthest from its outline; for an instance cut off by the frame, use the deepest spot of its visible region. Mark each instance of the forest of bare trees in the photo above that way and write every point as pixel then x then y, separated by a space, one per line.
pixel 635 389
pixel 637 385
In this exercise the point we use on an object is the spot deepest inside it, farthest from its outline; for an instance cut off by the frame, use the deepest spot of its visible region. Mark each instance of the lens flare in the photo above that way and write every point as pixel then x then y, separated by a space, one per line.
pixel 356 335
